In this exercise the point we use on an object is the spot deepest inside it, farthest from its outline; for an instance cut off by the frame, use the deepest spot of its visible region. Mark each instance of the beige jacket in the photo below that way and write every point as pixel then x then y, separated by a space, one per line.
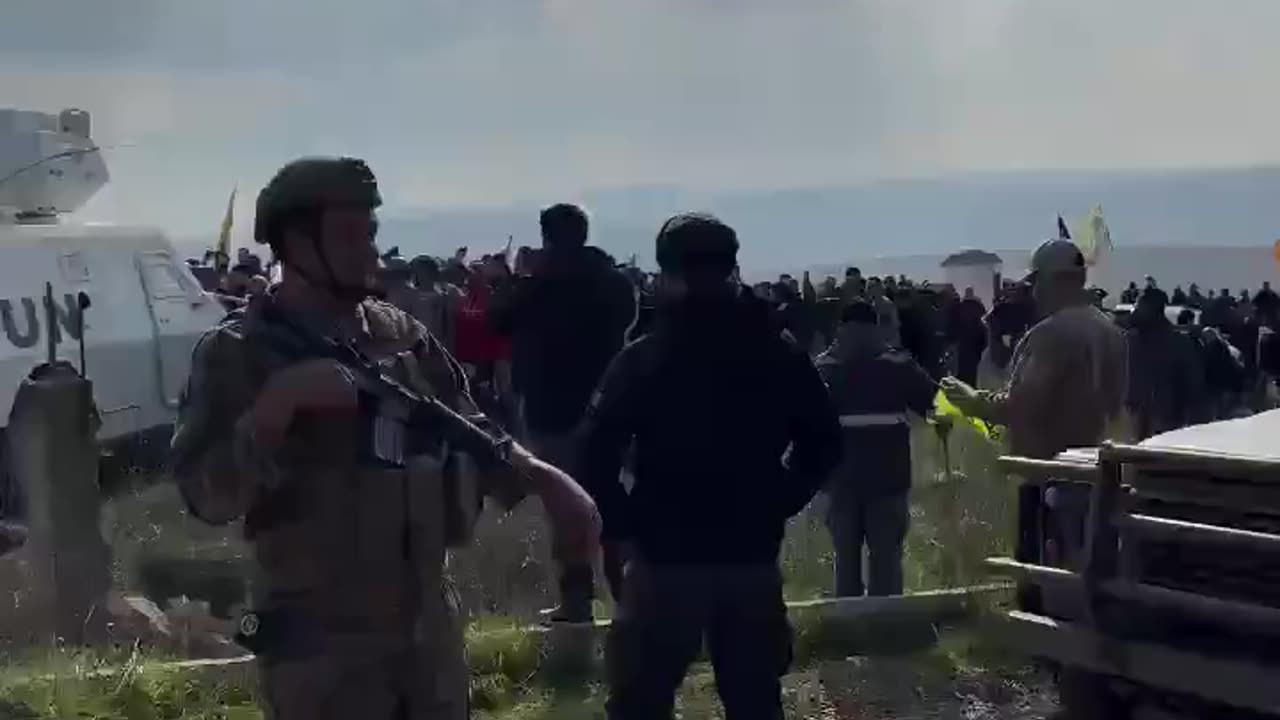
pixel 1066 386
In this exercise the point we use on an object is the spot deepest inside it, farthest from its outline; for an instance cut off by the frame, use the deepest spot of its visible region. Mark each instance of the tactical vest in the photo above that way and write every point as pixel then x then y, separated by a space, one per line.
pixel 344 539
pixel 397 348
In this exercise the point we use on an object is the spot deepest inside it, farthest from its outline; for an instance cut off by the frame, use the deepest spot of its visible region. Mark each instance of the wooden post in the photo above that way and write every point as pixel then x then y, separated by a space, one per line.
pixel 53 451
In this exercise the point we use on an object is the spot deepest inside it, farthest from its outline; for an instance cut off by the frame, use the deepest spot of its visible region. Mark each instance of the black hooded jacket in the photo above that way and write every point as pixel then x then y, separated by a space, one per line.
pixel 1166 376
pixel 712 399
pixel 566 322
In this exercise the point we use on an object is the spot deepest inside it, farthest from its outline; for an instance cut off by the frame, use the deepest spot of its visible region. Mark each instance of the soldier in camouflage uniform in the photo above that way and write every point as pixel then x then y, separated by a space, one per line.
pixel 353 613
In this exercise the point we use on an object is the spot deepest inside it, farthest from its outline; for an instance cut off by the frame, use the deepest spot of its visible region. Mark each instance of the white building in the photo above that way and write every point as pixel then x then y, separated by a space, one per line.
pixel 975 269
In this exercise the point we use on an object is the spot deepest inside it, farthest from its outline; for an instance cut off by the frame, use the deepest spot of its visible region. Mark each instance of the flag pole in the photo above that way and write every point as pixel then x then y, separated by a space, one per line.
pixel 222 257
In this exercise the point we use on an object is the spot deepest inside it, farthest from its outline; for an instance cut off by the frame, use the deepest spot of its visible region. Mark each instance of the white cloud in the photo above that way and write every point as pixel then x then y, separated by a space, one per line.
pixel 480 101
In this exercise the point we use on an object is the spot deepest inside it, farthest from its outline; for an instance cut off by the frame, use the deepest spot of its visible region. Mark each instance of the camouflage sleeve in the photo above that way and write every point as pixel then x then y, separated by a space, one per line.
pixel 213 458
pixel 506 486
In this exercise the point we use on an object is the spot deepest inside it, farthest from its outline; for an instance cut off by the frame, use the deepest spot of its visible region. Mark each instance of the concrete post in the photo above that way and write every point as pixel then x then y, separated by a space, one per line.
pixel 53 451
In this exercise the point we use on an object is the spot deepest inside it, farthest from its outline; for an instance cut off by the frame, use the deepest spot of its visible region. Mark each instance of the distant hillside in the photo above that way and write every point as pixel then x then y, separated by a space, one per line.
pixel 1214 227
pixel 785 229
pixel 1236 268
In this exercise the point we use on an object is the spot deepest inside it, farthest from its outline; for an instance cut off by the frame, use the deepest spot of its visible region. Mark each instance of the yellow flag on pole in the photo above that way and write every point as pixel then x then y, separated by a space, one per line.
pixel 224 235
pixel 1094 238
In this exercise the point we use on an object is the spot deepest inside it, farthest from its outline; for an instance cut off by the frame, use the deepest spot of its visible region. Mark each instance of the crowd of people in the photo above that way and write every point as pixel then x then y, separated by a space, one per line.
pixel 534 330
pixel 695 414
pixel 1200 353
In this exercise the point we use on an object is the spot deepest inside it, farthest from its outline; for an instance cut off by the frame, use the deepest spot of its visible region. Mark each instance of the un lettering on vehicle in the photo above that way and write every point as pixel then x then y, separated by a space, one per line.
pixel 22 319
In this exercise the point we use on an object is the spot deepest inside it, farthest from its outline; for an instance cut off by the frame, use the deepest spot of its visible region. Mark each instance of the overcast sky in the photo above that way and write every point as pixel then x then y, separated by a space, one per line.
pixel 489 102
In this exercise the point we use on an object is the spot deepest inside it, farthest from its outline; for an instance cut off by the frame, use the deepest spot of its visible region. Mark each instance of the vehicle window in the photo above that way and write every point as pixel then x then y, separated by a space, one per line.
pixel 161 279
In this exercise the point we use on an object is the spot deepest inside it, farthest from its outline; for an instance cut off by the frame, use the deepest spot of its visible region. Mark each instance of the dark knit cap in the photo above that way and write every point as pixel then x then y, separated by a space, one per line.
pixel 697 243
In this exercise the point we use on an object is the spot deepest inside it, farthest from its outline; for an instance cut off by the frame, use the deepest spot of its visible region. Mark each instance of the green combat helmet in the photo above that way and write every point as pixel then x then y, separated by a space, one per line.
pixel 306 186
pixel 312 183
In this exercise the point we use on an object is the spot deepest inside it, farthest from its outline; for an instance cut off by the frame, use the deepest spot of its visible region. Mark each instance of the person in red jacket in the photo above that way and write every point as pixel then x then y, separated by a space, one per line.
pixel 485 354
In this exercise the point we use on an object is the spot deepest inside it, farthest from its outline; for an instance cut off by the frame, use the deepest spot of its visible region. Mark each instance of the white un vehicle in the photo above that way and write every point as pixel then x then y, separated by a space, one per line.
pixel 146 309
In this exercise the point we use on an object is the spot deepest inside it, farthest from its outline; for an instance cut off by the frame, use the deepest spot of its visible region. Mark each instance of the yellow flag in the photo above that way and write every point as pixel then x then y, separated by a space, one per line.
pixel 1093 237
pixel 224 235
pixel 942 408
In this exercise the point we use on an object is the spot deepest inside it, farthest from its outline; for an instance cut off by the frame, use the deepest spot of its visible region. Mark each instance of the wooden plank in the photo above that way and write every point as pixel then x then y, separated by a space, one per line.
pixel 1032 469
pixel 1101 541
pixel 571 644
pixel 1195 461
pixel 1149 527
pixel 1031 571
pixel 239 663
pixel 852 609
pixel 1237 496
pixel 1066 588
pixel 1232 682
pixel 870 607
pixel 1229 614
pixel 238 671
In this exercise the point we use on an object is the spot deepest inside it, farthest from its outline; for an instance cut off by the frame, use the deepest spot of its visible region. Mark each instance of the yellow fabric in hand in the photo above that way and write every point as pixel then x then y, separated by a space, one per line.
pixel 943 409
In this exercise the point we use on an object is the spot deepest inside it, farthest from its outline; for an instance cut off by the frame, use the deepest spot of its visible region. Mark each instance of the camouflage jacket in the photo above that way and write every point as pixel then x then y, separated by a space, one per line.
pixel 332 536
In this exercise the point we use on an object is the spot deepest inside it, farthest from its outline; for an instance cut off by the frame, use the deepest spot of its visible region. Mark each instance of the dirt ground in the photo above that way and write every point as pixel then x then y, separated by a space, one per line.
pixel 854 689
pixel 871 690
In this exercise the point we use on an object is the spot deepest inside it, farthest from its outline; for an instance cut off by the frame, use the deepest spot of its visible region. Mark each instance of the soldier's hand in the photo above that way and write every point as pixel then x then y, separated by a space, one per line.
pixel 575 520
pixel 318 384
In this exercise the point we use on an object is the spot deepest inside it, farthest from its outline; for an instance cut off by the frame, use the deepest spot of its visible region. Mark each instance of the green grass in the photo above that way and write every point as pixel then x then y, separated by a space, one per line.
pixel 958 519
pixel 66 685
pixel 505 684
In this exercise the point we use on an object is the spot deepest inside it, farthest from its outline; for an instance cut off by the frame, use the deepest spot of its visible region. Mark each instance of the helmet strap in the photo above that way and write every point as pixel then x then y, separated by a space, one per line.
pixel 330 283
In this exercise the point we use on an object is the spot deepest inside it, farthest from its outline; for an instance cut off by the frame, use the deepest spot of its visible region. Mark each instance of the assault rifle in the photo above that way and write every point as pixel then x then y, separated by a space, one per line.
pixel 278 631
pixel 487 446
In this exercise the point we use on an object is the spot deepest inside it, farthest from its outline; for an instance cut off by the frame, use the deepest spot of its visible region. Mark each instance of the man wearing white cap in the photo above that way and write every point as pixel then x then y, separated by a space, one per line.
pixel 1067 384
pixel 1068 374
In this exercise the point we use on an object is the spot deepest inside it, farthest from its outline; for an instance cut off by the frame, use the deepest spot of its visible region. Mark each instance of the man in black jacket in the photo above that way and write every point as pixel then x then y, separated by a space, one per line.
pixel 970 335
pixel 875 388
pixel 1167 377
pixel 712 399
pixel 566 319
